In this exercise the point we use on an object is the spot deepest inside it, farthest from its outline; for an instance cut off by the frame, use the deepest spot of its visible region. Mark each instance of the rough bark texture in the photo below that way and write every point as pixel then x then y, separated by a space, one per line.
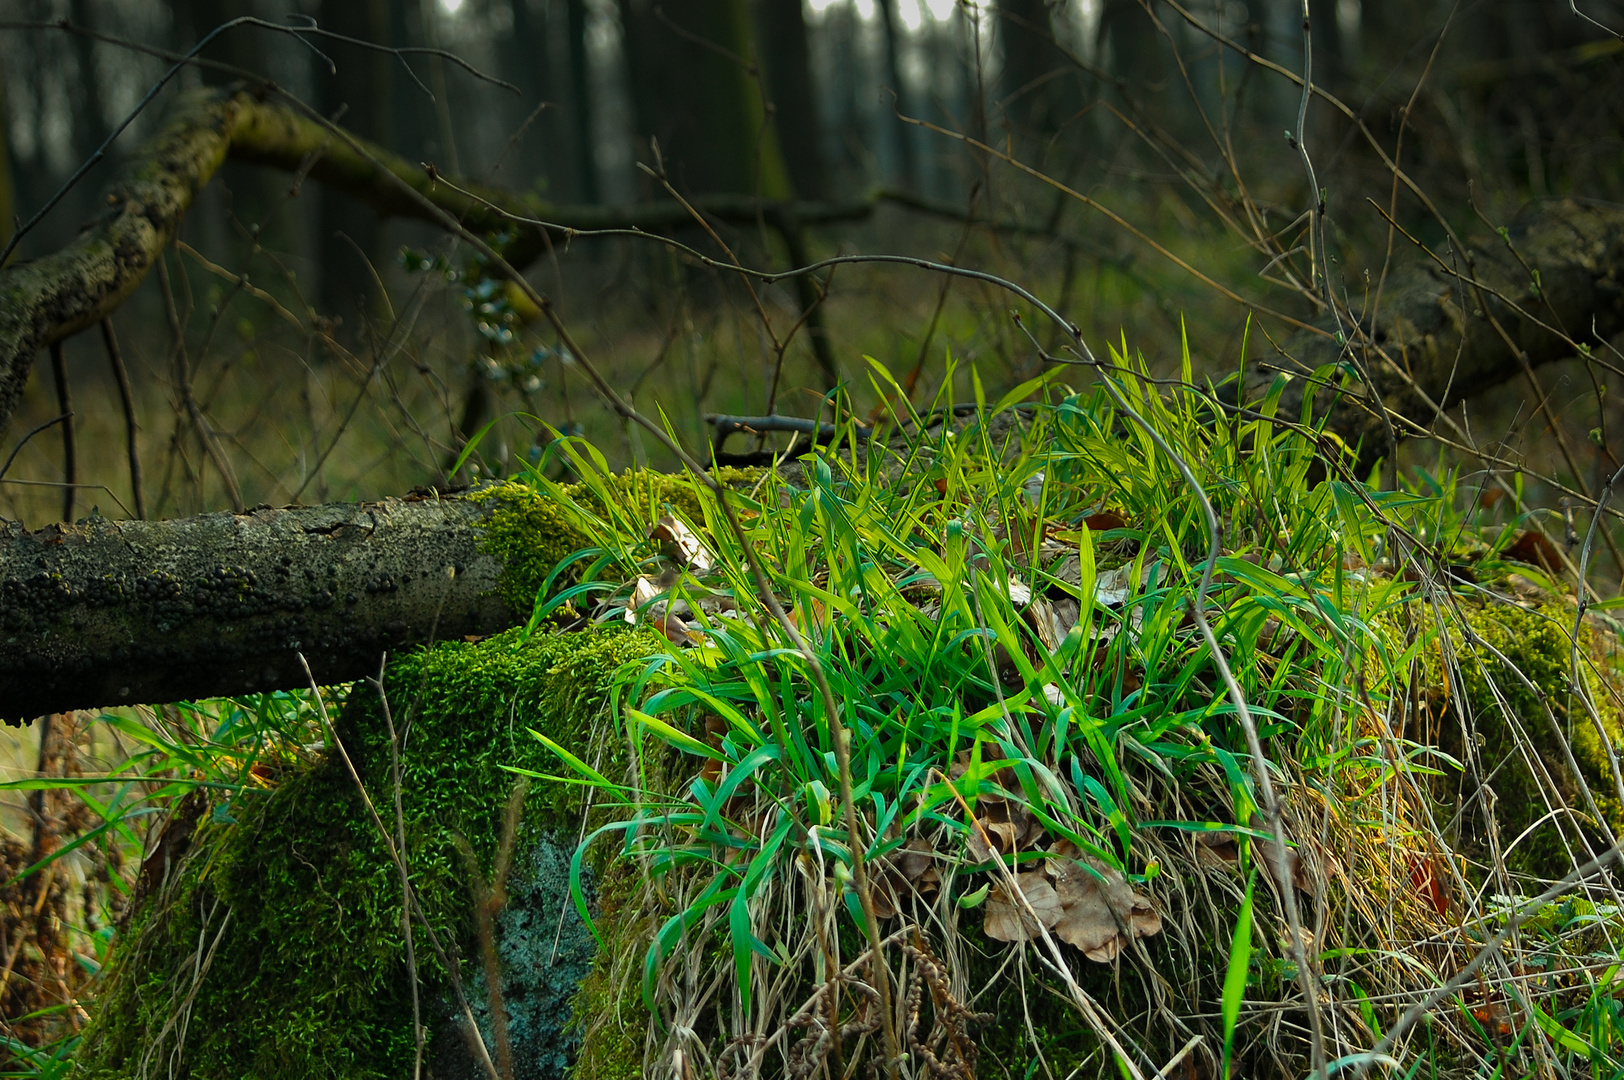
pixel 1450 327
pixel 44 301
pixel 108 613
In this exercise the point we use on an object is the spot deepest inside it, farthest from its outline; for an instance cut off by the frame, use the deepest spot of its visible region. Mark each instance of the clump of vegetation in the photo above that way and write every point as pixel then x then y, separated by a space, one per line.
pixel 1048 771
pixel 1020 820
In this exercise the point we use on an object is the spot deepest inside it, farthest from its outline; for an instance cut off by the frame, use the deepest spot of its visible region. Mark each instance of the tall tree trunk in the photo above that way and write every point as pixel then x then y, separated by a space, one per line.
pixel 539 158
pixel 580 103
pixel 256 198
pixel 1038 82
pixel 789 83
pixel 693 94
pixel 8 193
pixel 350 248
pixel 1134 50
pixel 897 104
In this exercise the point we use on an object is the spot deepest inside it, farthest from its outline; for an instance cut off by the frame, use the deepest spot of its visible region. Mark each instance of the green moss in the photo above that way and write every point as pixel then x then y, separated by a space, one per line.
pixel 1539 646
pixel 533 532
pixel 609 1015
pixel 297 906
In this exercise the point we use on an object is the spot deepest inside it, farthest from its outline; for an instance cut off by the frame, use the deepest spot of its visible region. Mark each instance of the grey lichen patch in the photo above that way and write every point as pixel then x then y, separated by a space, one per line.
pixel 545 951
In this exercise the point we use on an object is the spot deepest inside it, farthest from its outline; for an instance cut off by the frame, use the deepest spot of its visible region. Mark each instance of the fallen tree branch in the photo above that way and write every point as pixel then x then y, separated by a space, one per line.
pixel 108 613
pixel 1455 322
pixel 47 300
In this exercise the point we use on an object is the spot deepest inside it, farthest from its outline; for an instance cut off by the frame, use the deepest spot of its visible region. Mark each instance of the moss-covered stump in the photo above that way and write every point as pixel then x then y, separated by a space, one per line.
pixel 1536 754
pixel 274 948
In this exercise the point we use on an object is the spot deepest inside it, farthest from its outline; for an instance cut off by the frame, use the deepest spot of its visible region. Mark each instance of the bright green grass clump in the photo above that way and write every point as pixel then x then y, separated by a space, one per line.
pixel 989 624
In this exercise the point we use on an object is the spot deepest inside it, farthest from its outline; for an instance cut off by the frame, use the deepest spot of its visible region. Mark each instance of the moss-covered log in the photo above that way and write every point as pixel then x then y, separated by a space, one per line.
pixel 112 613
pixel 1446 327
pixel 55 297
pixel 108 613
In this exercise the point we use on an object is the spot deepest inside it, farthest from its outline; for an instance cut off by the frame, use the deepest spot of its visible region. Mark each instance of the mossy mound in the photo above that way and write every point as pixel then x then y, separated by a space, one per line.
pixel 533 534
pixel 1530 727
pixel 275 948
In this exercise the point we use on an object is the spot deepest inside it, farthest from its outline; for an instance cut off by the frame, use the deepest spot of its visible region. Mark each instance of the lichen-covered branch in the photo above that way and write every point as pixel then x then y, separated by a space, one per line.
pixel 108 613
pixel 1453 322
pixel 55 297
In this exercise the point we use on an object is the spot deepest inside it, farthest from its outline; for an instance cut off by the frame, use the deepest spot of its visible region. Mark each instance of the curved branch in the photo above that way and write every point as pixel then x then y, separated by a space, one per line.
pixel 1458 321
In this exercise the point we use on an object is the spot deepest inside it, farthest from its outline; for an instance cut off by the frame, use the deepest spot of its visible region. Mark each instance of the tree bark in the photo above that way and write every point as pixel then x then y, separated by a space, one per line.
pixel 693 90
pixel 113 613
pixel 1038 82
pixel 1455 324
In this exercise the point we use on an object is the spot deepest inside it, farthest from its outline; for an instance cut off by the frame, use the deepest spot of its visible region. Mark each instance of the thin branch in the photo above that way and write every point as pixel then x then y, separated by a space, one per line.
pixel 121 374
pixel 70 446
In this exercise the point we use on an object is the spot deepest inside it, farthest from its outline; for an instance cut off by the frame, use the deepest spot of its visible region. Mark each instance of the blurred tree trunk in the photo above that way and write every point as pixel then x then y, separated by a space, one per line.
pixel 891 107
pixel 845 74
pixel 580 103
pixel 350 247
pixel 1132 44
pixel 539 157
pixel 255 199
pixel 693 94
pixel 1038 83
pixel 1330 52
pixel 8 193
pixel 790 87
pixel 89 125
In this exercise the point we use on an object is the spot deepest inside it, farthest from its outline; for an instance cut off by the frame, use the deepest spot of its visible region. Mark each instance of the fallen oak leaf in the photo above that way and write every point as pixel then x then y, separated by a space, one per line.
pixel 1008 918
pixel 1100 912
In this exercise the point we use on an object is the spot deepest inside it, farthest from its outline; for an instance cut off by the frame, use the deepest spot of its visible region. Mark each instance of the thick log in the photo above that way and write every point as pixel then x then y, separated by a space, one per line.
pixel 109 613
pixel 1459 322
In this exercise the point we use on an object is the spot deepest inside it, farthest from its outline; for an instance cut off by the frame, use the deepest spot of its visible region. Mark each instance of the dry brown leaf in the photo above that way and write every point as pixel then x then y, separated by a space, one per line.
pixel 908 871
pixel 1101 913
pixel 1217 849
pixel 679 544
pixel 1007 917
pixel 1009 827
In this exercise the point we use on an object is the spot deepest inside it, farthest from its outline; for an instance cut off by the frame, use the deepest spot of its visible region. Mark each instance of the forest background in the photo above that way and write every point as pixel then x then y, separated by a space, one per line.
pixel 1150 169
pixel 1191 216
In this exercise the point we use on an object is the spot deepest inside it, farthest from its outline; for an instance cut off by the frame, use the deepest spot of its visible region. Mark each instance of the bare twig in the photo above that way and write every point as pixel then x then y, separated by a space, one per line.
pixel 400 866
pixel 127 397
pixel 70 448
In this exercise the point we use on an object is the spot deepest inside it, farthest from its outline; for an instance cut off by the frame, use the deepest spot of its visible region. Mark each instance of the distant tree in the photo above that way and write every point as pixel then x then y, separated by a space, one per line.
pixel 580 102
pixel 1038 84
pixel 782 28
pixel 255 197
pixel 351 235
pixel 1133 48
pixel 896 104
pixel 695 91
pixel 8 193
